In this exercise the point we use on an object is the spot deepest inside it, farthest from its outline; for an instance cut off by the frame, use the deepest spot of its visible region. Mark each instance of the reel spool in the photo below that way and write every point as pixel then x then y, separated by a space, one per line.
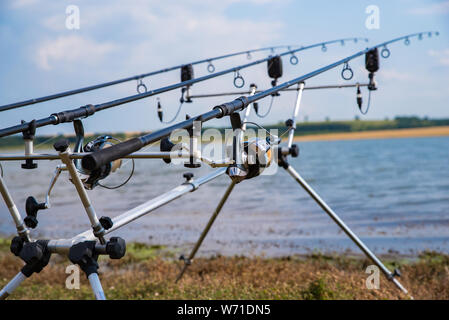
pixel 257 154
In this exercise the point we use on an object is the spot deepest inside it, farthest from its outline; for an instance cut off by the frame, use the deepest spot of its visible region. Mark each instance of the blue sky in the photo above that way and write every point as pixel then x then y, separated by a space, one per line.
pixel 41 56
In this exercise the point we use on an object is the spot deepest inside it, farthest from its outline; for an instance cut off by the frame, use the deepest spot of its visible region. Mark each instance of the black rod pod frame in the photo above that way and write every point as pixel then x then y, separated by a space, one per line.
pixel 89 110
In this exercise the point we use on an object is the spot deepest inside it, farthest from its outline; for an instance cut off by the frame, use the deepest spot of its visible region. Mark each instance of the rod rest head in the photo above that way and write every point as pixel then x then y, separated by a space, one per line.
pixel 166 146
pixel 31 208
pixel 28 134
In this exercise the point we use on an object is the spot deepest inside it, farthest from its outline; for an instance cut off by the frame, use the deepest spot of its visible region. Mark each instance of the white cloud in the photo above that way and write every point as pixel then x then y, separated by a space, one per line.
pixel 436 8
pixel 441 55
pixel 71 49
pixel 392 74
pixel 22 3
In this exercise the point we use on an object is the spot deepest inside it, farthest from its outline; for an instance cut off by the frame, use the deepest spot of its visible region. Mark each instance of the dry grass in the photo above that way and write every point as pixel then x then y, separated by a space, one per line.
pixel 378 134
pixel 144 274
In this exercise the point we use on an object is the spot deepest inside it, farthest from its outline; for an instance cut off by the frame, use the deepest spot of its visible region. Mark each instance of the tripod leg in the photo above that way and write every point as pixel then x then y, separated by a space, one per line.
pixel 344 227
pixel 95 283
pixel 188 260
pixel 22 230
pixel 12 285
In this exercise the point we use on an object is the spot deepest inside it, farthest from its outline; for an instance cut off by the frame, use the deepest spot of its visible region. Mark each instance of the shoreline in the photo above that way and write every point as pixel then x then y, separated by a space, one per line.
pixel 440 131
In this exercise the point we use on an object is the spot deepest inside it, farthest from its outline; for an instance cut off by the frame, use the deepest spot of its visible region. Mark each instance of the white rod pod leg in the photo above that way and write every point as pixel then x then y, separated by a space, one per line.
pixel 345 228
pixel 12 285
pixel 94 222
pixel 95 283
pixel 291 133
pixel 22 230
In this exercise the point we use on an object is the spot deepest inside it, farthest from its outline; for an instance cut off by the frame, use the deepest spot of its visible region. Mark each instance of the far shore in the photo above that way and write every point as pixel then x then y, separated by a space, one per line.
pixel 378 134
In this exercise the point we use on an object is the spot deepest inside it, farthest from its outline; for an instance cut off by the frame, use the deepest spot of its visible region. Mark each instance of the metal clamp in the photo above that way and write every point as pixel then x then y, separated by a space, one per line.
pixel 323 47
pixel 407 41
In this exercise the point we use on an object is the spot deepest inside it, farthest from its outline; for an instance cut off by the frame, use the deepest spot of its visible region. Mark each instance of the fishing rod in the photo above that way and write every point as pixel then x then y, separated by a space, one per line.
pixel 104 156
pixel 140 86
pixel 186 76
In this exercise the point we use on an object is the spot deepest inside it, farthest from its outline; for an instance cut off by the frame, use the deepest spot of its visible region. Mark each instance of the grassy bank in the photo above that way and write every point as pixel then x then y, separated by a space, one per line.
pixel 148 272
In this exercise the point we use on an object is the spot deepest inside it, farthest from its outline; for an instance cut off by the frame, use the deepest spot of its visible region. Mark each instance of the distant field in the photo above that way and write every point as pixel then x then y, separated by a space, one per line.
pixel 378 134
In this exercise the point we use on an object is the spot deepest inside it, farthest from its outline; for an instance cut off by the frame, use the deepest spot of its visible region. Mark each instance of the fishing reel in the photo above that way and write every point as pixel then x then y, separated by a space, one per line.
pixel 250 157
pixel 256 155
pixel 92 178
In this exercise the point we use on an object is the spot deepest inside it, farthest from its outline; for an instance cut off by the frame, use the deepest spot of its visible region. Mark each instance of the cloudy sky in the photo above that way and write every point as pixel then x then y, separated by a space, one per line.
pixel 116 39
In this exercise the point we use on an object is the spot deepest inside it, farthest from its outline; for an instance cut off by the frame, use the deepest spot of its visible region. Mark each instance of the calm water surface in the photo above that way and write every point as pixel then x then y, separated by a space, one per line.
pixel 393 193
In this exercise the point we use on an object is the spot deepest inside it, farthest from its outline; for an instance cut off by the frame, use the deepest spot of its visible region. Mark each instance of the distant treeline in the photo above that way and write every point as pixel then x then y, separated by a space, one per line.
pixel 303 128
pixel 306 128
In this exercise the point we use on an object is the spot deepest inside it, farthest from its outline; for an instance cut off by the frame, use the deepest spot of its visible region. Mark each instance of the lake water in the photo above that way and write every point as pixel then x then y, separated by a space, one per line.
pixel 394 193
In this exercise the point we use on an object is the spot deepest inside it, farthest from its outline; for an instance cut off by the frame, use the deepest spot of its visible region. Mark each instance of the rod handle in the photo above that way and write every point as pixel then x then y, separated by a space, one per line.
pixel 99 158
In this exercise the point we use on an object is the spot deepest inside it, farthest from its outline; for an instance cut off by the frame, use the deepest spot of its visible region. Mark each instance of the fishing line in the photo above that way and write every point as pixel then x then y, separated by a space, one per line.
pixel 256 108
pixel 160 114
pixel 127 179
pixel 368 104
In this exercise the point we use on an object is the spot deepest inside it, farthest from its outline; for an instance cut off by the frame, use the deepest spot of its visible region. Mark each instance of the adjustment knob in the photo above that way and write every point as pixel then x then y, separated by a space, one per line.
pixel 294 151
pixel 116 248
pixel 31 208
pixel 106 222
pixel 188 176
pixel 31 222
pixel 61 145
pixel 16 245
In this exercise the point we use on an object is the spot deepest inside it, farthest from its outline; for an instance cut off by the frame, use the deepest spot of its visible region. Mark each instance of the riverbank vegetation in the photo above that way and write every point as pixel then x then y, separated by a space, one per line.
pixel 148 272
